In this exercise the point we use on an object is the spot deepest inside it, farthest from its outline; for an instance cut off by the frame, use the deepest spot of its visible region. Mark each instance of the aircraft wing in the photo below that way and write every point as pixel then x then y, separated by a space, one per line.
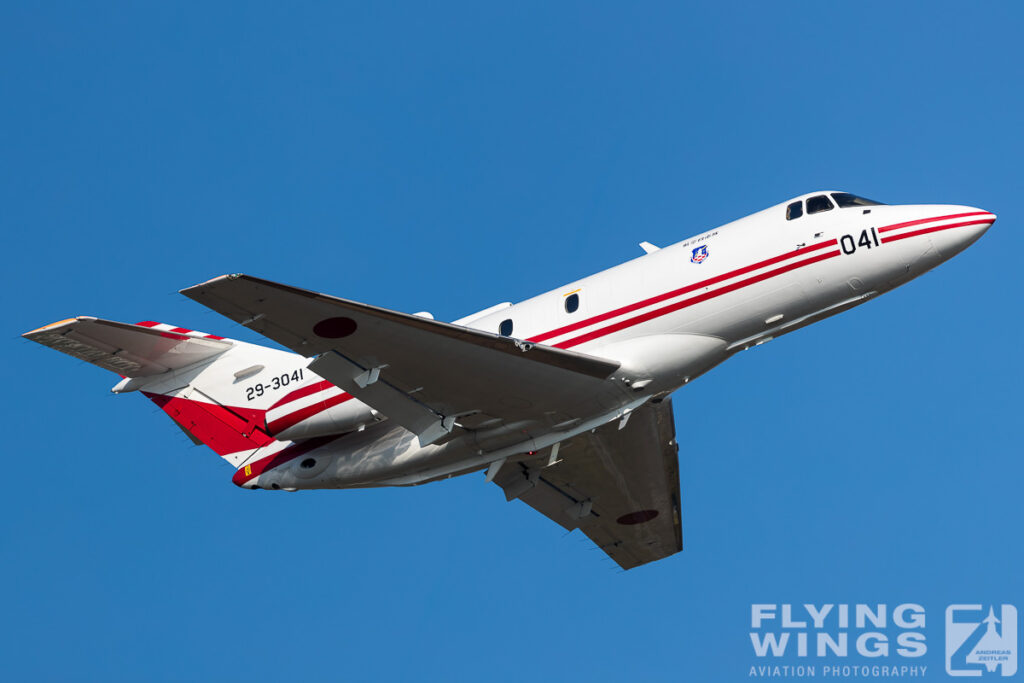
pixel 424 374
pixel 619 486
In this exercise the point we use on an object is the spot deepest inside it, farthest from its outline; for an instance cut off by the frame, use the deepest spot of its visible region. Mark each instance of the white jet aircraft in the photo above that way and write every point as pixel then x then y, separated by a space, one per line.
pixel 562 398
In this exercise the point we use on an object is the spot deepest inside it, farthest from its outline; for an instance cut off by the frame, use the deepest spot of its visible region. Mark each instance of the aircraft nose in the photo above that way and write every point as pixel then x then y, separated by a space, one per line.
pixel 976 223
pixel 985 218
pixel 960 230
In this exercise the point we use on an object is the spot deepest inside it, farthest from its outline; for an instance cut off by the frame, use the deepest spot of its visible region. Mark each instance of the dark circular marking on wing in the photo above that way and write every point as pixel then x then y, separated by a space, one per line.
pixel 638 517
pixel 334 328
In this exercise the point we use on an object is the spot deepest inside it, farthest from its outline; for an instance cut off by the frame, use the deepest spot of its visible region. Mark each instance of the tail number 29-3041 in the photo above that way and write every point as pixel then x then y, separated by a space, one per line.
pixel 867 240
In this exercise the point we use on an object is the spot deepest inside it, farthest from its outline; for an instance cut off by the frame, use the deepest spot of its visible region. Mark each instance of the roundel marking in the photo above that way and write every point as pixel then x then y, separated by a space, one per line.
pixel 334 328
pixel 637 517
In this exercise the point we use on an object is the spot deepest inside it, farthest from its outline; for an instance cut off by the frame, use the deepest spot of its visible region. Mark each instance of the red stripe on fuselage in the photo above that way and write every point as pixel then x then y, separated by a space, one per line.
pixel 922 221
pixel 678 292
pixel 937 228
pixel 304 391
pixel 292 419
pixel 679 305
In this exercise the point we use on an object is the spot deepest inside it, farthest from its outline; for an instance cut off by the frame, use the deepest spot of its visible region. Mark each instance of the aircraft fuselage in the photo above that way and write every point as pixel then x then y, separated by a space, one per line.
pixel 666 317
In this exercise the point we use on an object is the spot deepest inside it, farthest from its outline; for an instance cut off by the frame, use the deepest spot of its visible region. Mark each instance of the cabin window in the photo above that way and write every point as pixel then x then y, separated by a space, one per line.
pixel 845 200
pixel 572 303
pixel 818 204
pixel 505 328
pixel 794 210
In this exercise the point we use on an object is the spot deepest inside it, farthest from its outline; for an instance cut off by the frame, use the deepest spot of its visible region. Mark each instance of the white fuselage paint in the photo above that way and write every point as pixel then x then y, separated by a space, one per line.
pixel 667 316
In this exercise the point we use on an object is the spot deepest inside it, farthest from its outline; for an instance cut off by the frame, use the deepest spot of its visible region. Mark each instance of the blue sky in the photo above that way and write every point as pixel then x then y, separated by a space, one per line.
pixel 444 158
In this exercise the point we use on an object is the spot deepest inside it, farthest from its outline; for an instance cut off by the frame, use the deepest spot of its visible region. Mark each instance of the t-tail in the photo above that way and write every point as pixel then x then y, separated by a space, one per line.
pixel 217 390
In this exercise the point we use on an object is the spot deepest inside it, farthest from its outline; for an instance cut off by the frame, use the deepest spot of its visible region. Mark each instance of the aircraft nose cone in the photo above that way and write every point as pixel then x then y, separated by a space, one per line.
pixel 982 220
pixel 960 230
pixel 986 218
pixel 993 216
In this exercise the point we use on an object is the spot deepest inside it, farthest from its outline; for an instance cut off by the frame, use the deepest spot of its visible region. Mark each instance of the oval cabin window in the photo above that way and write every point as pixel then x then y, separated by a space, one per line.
pixel 505 328
pixel 572 303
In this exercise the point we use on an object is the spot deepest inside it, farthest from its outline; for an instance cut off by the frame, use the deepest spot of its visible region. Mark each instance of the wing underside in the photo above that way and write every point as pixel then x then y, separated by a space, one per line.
pixel 620 487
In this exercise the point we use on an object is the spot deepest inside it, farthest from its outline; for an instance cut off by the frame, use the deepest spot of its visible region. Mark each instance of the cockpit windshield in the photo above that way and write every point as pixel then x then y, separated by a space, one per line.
pixel 845 200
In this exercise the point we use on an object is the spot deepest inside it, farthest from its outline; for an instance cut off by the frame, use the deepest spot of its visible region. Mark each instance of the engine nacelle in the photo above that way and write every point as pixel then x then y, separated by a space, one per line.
pixel 664 361
pixel 319 413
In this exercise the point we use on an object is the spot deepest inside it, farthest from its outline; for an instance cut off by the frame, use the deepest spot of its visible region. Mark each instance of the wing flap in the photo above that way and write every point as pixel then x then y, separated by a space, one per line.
pixel 397 405
pixel 129 350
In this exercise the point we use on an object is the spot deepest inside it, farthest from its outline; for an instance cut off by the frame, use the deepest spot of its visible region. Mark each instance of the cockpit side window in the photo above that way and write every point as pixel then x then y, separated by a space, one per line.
pixel 845 200
pixel 818 204
pixel 794 210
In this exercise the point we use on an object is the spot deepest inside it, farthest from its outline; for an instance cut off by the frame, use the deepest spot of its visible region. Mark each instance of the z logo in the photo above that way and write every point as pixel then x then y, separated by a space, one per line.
pixel 978 641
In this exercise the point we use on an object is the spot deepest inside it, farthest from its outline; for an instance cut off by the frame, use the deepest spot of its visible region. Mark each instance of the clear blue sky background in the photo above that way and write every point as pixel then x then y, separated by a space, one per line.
pixel 446 157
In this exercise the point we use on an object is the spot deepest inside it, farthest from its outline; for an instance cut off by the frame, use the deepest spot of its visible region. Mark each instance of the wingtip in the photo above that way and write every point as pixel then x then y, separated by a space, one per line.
pixel 44 328
pixel 219 278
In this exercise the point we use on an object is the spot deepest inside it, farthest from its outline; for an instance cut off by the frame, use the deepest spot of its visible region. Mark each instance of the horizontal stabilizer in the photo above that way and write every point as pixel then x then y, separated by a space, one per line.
pixel 129 350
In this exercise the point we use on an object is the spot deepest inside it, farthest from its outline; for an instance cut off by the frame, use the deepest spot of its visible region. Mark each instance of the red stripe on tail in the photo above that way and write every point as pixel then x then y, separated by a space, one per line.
pixel 225 430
